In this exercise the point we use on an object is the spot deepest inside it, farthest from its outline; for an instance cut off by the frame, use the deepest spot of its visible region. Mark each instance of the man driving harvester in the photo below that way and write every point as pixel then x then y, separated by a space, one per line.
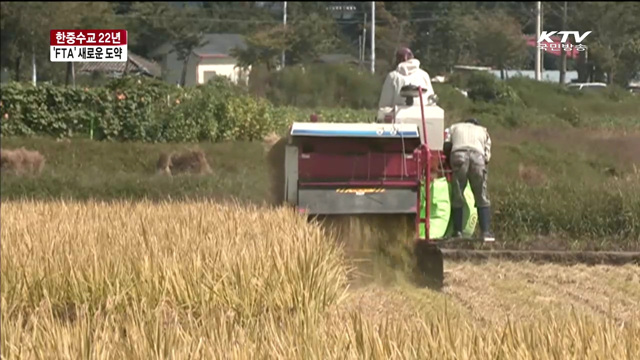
pixel 469 143
pixel 470 155
pixel 407 72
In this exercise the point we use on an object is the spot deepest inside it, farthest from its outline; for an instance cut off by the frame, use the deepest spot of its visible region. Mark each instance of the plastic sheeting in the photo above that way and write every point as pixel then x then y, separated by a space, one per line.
pixel 440 223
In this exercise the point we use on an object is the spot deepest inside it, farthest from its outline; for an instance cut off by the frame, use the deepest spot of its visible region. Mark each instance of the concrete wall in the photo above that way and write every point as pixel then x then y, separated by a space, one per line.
pixel 547 75
pixel 221 67
pixel 200 70
pixel 172 68
pixel 192 71
pixel 5 76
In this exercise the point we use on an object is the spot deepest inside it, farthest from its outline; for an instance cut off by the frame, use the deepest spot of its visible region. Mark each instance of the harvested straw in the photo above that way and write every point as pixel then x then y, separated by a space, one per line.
pixel 270 140
pixel 21 161
pixel 192 161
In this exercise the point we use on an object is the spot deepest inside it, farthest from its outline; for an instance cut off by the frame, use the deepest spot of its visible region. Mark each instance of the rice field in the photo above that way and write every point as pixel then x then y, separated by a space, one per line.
pixel 205 280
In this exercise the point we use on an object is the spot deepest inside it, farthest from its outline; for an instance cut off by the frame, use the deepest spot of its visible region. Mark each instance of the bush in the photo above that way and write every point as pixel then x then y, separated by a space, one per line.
pixel 134 109
pixel 323 85
pixel 150 111
pixel 578 108
pixel 197 114
pixel 524 102
pixel 485 87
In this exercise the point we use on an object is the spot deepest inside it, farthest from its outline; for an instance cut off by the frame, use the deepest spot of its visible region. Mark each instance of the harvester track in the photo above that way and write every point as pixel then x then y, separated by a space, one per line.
pixel 548 257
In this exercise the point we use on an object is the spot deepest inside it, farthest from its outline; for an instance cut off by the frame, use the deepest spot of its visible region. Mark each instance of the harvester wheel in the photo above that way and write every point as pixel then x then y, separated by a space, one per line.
pixel 430 264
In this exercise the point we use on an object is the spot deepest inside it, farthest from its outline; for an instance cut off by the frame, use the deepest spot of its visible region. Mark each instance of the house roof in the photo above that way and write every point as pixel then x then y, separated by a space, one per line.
pixel 220 45
pixel 137 64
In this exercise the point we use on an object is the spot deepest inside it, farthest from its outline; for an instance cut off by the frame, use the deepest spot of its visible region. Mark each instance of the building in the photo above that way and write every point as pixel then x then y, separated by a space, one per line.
pixel 135 65
pixel 213 58
pixel 5 76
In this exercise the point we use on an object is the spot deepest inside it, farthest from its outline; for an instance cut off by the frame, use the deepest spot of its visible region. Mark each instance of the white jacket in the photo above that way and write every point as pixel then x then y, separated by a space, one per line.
pixel 467 136
pixel 407 73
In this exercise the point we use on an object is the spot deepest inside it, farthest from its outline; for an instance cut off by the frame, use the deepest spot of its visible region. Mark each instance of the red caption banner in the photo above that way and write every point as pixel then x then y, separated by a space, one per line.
pixel 88 45
pixel 88 37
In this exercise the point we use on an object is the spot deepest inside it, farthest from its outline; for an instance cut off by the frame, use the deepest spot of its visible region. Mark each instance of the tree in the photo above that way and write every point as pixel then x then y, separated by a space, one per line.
pixel 146 30
pixel 176 24
pixel 499 41
pixel 17 23
pixel 310 33
pixel 241 17
pixel 264 47
pixel 614 44
pixel 524 12
pixel 393 30
pixel 25 26
pixel 447 40
pixel 309 37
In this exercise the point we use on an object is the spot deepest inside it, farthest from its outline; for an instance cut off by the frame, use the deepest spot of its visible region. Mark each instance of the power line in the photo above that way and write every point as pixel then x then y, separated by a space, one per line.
pixel 160 17
pixel 256 21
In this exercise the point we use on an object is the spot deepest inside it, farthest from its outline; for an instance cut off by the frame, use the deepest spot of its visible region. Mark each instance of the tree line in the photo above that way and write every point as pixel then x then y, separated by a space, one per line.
pixel 441 34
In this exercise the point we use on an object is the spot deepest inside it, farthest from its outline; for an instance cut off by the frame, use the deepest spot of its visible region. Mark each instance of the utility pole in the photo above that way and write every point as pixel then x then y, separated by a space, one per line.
pixel 538 31
pixel 373 37
pixel 543 51
pixel 73 74
pixel 563 53
pixel 364 39
pixel 284 22
pixel 34 76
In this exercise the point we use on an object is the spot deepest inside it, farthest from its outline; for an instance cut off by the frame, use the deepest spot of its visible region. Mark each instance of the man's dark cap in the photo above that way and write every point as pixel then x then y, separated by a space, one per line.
pixel 472 121
pixel 403 54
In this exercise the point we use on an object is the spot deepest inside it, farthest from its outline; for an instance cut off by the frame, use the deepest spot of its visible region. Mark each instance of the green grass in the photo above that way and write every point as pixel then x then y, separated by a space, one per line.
pixel 544 105
pixel 544 193
pixel 84 169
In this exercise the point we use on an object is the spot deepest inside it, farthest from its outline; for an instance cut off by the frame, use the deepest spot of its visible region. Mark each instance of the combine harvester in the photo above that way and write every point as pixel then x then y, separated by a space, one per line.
pixel 384 168
pixel 392 168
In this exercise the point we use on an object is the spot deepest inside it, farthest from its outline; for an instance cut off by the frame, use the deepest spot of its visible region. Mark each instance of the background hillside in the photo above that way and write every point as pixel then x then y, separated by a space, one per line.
pixel 442 34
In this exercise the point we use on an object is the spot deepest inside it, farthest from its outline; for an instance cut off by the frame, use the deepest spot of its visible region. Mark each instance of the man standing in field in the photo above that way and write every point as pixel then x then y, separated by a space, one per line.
pixel 407 72
pixel 470 156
